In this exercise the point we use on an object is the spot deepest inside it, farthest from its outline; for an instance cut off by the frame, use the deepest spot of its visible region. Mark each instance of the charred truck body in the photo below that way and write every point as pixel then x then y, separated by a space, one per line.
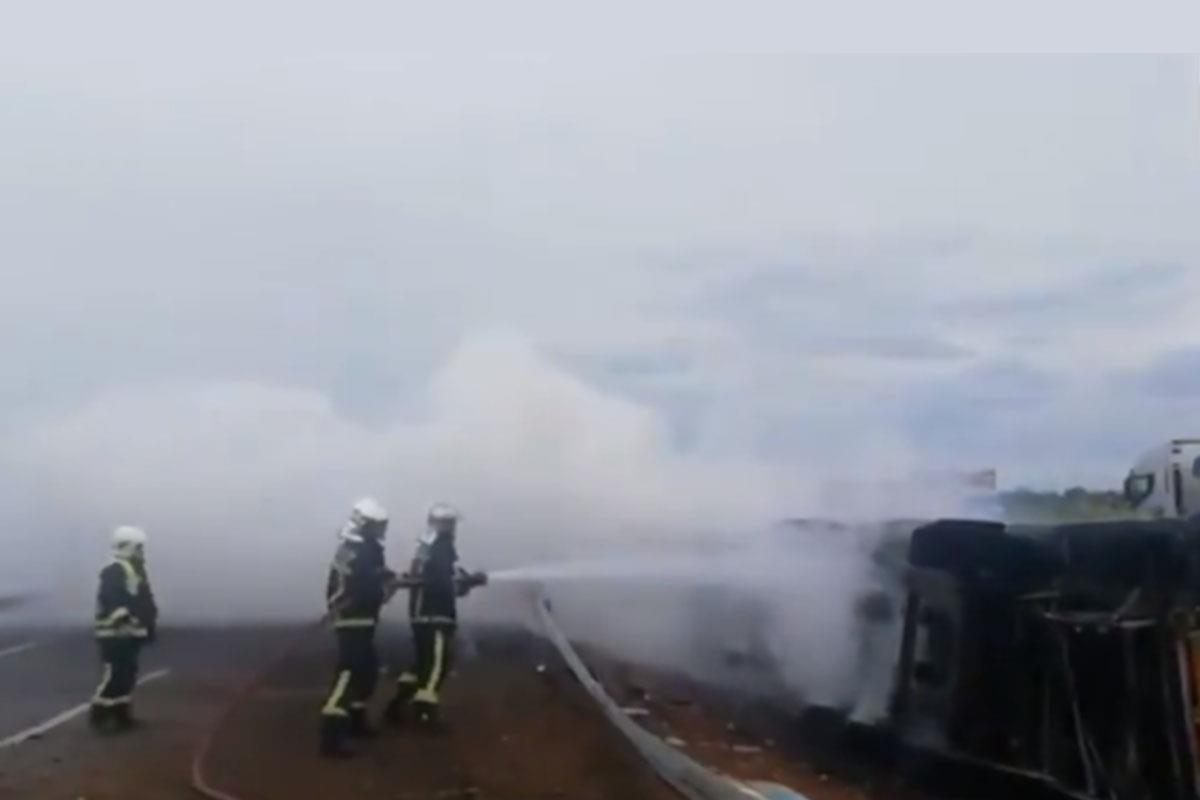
pixel 1070 654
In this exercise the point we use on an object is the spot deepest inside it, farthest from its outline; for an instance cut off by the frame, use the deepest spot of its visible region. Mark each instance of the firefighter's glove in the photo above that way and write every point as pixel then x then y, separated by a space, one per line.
pixel 466 581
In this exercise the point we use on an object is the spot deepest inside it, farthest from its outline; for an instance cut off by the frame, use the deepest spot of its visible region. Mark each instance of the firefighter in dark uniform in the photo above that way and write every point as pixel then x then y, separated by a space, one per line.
pixel 436 583
pixel 126 619
pixel 358 586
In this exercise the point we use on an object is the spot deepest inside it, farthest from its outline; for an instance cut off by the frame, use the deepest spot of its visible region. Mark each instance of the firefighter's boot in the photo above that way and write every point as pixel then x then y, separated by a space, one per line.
pixel 397 707
pixel 333 737
pixel 100 718
pixel 124 719
pixel 359 727
pixel 428 718
pixel 394 712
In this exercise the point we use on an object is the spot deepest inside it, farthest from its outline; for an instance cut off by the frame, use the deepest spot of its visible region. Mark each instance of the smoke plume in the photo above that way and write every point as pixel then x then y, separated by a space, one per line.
pixel 242 487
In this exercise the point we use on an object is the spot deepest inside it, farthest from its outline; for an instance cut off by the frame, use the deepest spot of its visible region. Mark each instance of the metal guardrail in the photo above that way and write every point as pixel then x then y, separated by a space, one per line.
pixel 692 779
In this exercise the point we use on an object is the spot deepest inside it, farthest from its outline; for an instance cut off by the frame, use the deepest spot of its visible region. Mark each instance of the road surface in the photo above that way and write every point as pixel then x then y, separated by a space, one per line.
pixel 521 726
pixel 47 677
pixel 516 732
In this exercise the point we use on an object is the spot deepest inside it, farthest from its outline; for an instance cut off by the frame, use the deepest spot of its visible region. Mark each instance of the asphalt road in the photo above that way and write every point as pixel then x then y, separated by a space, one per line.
pixel 517 732
pixel 44 673
pixel 521 726
pixel 47 677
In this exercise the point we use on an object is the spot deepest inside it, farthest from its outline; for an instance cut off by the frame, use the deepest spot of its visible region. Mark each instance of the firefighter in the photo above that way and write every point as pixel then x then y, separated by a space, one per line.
pixel 359 584
pixel 126 619
pixel 436 583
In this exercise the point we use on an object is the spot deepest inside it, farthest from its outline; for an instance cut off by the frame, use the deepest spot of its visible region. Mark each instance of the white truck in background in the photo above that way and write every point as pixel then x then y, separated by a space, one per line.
pixel 1165 481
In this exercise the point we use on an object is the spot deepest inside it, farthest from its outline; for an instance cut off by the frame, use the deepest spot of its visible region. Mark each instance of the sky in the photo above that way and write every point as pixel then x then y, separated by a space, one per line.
pixel 289 266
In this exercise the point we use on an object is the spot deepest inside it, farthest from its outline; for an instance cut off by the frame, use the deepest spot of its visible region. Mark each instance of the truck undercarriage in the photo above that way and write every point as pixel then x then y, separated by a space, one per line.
pixel 1067 653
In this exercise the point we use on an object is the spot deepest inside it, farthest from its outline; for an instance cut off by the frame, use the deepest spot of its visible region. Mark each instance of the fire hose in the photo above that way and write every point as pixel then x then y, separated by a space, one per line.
pixel 201 782
pixel 690 778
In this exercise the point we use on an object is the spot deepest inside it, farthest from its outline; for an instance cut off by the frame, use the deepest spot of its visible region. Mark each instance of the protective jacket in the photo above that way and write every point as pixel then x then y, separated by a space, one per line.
pixel 125 607
pixel 357 584
pixel 434 600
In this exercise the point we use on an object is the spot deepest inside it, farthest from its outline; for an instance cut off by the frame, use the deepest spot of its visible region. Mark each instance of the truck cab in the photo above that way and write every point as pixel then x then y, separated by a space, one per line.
pixel 1165 481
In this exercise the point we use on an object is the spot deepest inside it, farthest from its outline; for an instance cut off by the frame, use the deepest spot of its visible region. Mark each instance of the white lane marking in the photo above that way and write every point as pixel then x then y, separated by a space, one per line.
pixel 18 648
pixel 67 716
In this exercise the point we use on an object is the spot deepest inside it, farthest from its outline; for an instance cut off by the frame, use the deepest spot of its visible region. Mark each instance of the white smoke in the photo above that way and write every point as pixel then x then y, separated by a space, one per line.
pixel 242 487
pixel 778 613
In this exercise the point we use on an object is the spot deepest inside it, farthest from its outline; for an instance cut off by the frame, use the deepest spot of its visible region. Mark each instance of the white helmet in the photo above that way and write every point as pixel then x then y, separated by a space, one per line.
pixel 128 540
pixel 367 518
pixel 442 516
pixel 369 510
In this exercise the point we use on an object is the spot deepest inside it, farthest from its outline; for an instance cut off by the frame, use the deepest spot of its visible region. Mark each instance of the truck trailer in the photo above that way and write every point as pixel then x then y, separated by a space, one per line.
pixel 1067 654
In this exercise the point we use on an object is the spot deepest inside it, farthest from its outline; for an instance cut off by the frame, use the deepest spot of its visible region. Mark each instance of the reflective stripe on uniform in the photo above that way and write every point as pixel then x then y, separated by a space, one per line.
pixel 334 599
pixel 120 622
pixel 133 581
pixel 428 693
pixel 126 632
pixel 407 678
pixel 117 614
pixel 355 622
pixel 341 569
pixel 111 702
pixel 434 620
pixel 333 706
pixel 103 683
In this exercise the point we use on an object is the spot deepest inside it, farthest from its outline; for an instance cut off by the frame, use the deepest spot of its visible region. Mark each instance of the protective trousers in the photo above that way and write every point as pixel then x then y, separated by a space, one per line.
pixel 357 670
pixel 434 645
pixel 406 682
pixel 114 695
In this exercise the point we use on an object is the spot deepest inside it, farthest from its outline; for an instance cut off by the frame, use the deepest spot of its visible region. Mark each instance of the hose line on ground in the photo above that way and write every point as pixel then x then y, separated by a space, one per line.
pixel 201 782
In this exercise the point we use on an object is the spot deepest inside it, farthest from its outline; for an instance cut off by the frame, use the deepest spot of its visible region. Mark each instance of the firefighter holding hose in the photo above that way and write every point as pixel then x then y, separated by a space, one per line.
pixel 436 581
pixel 359 584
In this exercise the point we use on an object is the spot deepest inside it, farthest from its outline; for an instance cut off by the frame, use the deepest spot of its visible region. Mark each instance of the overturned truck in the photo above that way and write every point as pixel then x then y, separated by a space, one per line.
pixel 1070 654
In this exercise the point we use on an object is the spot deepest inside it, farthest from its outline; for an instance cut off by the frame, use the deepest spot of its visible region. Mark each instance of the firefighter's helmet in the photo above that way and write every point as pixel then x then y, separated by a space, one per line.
pixel 128 541
pixel 442 517
pixel 368 520
pixel 369 510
